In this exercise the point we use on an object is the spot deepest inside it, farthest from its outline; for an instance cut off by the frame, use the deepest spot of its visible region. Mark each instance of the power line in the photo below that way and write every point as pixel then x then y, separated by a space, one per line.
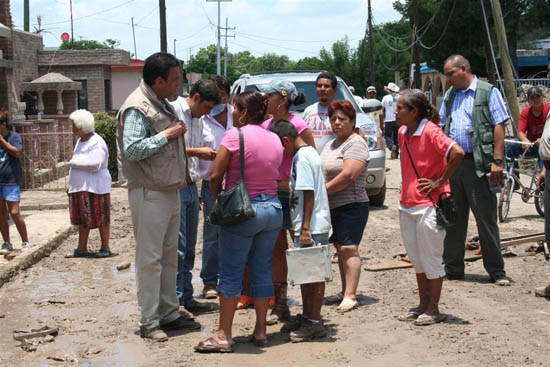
pixel 91 15
pixel 194 34
pixel 442 33
pixel 279 46
pixel 147 15
pixel 293 40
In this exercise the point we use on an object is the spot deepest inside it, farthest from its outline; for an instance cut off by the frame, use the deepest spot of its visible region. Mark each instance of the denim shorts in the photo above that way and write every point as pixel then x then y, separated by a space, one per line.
pixel 284 198
pixel 348 223
pixel 10 193
pixel 318 239
pixel 250 242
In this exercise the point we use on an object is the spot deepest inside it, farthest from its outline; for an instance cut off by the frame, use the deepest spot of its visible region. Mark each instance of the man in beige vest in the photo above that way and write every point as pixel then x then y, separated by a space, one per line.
pixel 154 161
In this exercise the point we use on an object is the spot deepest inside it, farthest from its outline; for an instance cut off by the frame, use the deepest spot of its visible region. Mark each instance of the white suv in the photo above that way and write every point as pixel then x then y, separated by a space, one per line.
pixel 305 83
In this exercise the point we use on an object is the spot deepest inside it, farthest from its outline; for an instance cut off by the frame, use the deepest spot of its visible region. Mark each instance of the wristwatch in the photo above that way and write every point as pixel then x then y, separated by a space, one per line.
pixel 497 161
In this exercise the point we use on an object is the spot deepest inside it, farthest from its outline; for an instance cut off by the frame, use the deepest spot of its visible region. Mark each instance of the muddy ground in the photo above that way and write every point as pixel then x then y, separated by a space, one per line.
pixel 95 308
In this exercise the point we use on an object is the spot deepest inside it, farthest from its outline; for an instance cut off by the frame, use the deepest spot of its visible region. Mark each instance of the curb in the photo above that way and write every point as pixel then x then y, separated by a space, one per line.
pixel 35 256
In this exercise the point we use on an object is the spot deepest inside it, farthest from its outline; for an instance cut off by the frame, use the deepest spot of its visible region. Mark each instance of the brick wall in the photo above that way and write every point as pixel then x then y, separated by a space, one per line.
pixel 25 51
pixel 50 102
pixel 95 77
pixel 84 57
pixel 5 19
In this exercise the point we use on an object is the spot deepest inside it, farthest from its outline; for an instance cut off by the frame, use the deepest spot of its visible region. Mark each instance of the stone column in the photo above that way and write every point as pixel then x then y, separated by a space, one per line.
pixel 59 106
pixel 40 105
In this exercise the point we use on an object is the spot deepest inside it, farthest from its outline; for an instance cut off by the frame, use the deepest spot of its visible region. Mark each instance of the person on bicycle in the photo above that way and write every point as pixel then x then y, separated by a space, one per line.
pixel 531 125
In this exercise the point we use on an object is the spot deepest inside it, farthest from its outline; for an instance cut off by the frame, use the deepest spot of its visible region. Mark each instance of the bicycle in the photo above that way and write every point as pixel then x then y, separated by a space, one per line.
pixel 527 166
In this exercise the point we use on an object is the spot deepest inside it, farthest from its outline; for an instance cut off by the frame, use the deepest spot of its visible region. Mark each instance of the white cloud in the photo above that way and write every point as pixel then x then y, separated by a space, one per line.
pixel 262 25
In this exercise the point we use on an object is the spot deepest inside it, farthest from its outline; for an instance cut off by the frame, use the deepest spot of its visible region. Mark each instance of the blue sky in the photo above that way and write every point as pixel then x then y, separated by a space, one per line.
pixel 297 28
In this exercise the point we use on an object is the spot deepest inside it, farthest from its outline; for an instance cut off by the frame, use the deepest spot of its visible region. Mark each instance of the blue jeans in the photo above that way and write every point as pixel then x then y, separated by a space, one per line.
pixel 250 242
pixel 210 237
pixel 189 221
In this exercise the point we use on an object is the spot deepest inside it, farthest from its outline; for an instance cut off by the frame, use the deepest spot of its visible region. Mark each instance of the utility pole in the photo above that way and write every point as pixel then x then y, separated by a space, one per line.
pixel 72 34
pixel 371 44
pixel 174 47
pixel 509 85
pixel 417 76
pixel 218 64
pixel 225 52
pixel 26 15
pixel 162 12
pixel 134 35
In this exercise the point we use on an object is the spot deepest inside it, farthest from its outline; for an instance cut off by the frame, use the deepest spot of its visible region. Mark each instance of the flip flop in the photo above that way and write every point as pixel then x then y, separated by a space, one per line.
pixel 80 254
pixel 425 319
pixel 211 345
pixel 105 253
pixel 257 342
pixel 334 299
pixel 347 305
pixel 411 315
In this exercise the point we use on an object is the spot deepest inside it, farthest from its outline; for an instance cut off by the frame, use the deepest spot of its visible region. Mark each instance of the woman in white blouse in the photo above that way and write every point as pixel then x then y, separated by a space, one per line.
pixel 89 185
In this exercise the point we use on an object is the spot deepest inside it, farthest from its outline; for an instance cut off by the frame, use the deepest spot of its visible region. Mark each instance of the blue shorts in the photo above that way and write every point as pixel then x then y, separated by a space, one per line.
pixel 284 198
pixel 10 193
pixel 348 223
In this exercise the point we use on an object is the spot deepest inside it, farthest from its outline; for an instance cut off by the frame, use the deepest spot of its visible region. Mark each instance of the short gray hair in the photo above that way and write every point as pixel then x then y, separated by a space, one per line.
pixel 457 61
pixel 83 120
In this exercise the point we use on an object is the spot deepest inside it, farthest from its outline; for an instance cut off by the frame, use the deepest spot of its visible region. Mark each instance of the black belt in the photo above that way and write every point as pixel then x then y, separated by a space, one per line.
pixel 546 164
pixel 469 156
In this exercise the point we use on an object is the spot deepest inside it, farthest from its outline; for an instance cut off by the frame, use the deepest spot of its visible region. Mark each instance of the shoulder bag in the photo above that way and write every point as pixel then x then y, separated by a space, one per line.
pixel 233 206
pixel 445 209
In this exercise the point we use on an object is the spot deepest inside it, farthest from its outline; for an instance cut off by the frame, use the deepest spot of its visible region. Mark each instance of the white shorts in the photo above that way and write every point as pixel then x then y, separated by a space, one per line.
pixel 423 240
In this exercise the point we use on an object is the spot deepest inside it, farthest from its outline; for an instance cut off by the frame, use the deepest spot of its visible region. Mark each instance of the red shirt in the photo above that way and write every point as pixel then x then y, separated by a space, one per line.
pixel 532 125
pixel 429 148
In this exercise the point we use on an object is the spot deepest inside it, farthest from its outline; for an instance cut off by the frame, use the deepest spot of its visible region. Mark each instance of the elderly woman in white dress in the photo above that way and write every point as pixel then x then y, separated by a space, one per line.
pixel 89 185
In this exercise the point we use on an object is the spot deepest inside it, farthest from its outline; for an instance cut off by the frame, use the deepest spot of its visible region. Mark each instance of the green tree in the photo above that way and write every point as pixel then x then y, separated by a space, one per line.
pixel 89 45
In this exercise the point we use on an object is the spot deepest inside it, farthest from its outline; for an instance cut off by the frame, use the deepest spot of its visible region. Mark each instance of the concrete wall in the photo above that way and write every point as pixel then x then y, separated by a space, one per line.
pixel 84 57
pixel 123 83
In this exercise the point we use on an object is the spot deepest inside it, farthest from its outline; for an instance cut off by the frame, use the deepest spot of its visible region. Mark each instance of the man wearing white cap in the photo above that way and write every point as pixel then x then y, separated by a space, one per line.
pixel 390 125
pixel 371 92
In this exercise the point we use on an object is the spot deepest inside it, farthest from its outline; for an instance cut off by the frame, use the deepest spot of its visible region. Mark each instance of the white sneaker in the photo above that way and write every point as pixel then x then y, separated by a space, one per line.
pixel 7 246
pixel 26 245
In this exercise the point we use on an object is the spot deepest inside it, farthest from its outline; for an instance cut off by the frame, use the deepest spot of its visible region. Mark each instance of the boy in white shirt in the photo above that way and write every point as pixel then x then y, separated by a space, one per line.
pixel 310 214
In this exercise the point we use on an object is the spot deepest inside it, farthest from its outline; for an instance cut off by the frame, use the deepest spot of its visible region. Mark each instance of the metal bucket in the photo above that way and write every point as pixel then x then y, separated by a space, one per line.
pixel 309 265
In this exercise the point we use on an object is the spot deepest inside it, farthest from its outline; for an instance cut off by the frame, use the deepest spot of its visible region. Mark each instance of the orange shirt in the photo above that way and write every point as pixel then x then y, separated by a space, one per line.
pixel 429 148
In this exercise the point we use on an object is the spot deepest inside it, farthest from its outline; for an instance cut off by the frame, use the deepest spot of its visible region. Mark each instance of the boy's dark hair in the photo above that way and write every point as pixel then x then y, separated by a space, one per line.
pixel 158 64
pixel 222 83
pixel 207 89
pixel 327 75
pixel 4 119
pixel 284 128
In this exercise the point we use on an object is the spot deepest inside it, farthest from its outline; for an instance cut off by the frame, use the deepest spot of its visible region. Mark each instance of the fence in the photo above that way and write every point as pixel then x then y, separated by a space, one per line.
pixel 47 150
pixel 543 82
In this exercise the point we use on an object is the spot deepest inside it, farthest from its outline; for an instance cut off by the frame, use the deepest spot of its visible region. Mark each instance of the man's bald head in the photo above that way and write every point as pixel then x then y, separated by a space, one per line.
pixel 457 61
pixel 458 72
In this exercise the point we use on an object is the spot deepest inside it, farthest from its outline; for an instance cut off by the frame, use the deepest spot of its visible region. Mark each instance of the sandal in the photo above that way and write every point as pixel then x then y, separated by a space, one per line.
pixel 244 302
pixel 347 305
pixel 77 253
pixel 211 345
pixel 334 299
pixel 105 253
pixel 257 342
pixel 425 319
pixel 411 315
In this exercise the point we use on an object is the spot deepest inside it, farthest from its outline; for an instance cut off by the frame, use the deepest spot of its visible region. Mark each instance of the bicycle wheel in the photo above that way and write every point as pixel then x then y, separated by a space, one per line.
pixel 539 200
pixel 504 201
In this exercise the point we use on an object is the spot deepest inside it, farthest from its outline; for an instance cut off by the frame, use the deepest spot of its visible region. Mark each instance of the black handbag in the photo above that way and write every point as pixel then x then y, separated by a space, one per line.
pixel 445 209
pixel 233 206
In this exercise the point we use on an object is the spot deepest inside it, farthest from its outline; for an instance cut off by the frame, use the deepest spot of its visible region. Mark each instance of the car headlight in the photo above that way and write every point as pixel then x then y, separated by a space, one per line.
pixel 371 136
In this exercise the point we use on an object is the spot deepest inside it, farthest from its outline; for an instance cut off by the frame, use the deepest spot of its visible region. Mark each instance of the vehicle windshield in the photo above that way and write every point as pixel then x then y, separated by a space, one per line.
pixel 308 88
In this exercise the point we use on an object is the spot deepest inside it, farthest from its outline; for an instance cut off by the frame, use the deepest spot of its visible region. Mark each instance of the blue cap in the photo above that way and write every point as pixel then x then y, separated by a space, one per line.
pixel 282 86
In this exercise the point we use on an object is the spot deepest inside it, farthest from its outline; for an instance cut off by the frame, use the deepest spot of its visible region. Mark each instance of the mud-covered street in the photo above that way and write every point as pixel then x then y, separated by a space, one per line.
pixel 94 306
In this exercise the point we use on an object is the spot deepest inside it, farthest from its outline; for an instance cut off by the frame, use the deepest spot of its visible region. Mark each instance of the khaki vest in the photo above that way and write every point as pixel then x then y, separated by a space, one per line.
pixel 482 134
pixel 167 168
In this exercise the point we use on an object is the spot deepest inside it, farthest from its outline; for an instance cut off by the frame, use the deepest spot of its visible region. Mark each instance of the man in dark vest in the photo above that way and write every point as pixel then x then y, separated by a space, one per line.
pixel 154 161
pixel 473 114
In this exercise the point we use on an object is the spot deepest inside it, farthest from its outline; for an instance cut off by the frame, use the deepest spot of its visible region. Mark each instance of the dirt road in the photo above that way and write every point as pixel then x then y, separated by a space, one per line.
pixel 95 308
